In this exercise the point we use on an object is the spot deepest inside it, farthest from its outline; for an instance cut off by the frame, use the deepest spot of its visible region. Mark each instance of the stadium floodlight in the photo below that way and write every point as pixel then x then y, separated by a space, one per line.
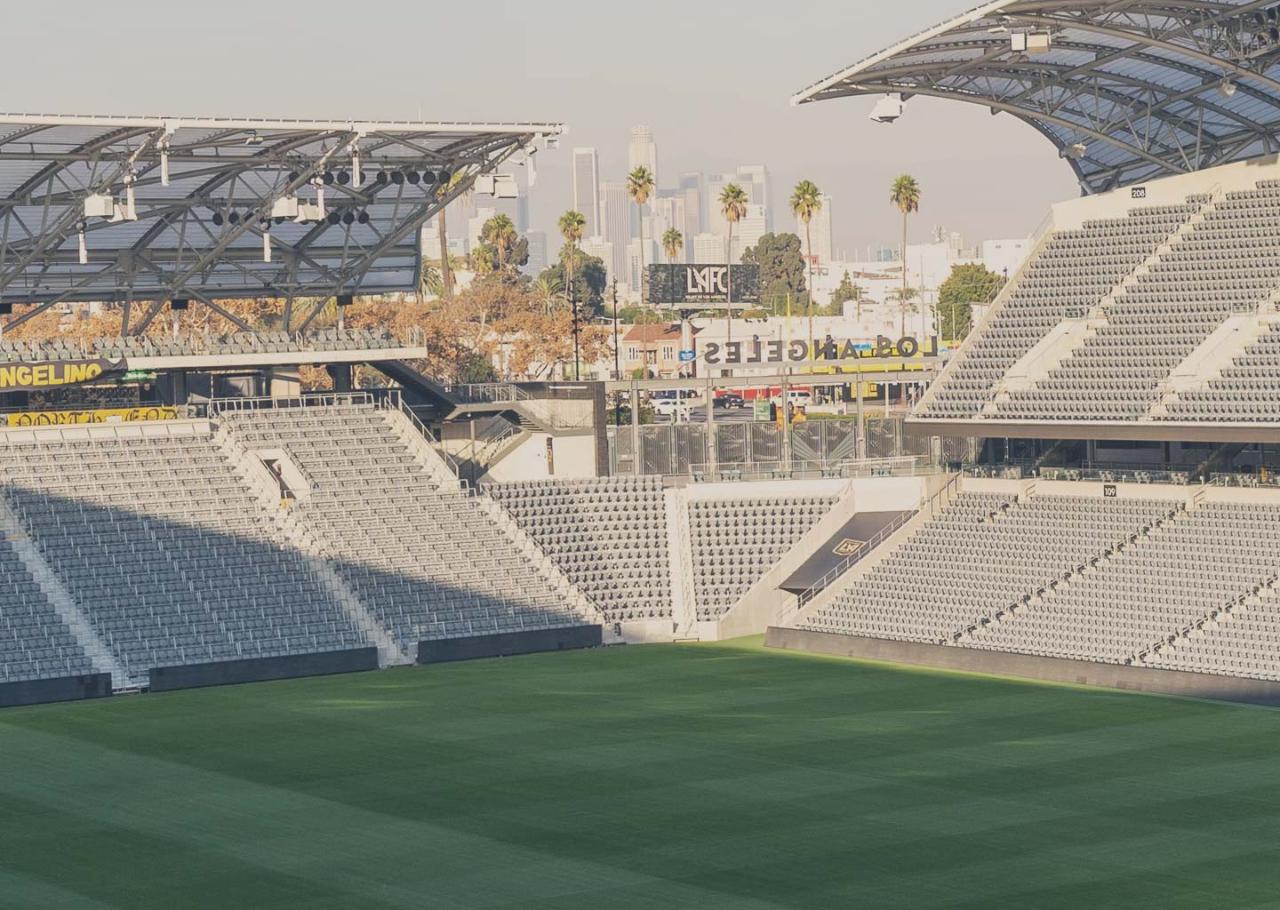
pixel 1226 88
pixel 285 207
pixel 218 219
pixel 179 303
pixel 531 162
pixel 363 217
pixel 356 176
pixel 887 109
pixel 344 177
pixel 1039 42
pixel 1075 151
pixel 413 177
pixel 99 205
pixel 505 186
pixel 308 213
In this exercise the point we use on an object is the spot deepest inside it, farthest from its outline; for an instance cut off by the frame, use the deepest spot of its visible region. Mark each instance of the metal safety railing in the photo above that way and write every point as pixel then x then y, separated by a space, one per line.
pixel 933 506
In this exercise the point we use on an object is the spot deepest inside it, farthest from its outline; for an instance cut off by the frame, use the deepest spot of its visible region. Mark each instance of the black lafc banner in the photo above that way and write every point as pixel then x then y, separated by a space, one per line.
pixel 54 374
pixel 697 285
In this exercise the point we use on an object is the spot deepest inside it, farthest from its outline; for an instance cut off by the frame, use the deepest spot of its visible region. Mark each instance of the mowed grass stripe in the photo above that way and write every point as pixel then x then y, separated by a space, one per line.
pixel 699 776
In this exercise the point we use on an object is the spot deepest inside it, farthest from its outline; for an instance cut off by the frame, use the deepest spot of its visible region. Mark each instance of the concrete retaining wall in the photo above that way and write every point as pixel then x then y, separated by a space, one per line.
pixel 1051 669
pixel 43 691
pixel 508 644
pixel 233 672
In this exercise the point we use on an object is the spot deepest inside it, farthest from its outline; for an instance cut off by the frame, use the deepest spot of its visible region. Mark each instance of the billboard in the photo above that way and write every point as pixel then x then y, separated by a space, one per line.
pixel 34 377
pixel 702 285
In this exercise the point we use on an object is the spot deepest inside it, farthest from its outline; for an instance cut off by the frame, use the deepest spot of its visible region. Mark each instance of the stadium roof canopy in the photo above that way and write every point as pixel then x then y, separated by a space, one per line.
pixel 1126 90
pixel 154 209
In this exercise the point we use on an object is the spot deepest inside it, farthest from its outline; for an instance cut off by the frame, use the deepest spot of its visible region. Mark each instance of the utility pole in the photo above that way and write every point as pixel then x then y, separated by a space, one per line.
pixel 573 303
pixel 617 360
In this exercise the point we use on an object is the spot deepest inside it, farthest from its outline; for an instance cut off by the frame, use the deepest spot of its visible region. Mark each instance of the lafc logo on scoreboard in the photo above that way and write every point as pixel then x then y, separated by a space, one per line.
pixel 848 547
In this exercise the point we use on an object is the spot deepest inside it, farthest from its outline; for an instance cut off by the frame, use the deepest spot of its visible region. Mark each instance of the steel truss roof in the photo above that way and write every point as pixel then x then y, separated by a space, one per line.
pixel 176 248
pixel 1127 90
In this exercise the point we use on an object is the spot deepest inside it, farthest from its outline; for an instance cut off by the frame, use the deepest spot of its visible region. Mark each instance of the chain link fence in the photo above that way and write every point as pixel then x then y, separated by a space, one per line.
pixel 682 449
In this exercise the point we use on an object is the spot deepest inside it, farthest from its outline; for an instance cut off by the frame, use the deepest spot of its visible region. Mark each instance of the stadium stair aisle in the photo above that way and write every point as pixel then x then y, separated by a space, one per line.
pixel 427 559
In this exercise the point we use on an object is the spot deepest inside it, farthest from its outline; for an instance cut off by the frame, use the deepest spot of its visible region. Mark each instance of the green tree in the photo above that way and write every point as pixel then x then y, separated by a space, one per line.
pixel 733 205
pixel 502 250
pixel 639 187
pixel 905 196
pixel 781 262
pixel 806 201
pixel 572 224
pixel 589 275
pixel 967 284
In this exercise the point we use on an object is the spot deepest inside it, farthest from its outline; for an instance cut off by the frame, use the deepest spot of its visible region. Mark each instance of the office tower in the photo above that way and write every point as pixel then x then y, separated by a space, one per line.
pixel 586 189
pixel 820 231
pixel 615 212
pixel 695 204
pixel 603 250
pixel 668 212
pixel 537 253
pixel 754 180
pixel 748 231
pixel 643 152
pixel 708 248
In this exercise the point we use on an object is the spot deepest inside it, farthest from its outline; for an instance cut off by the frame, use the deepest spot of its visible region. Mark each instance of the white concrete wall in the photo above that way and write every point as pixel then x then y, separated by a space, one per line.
pixel 574 459
pixel 1165 191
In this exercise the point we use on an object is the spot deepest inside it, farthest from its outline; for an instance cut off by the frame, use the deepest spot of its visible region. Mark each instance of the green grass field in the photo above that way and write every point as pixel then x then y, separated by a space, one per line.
pixel 685 776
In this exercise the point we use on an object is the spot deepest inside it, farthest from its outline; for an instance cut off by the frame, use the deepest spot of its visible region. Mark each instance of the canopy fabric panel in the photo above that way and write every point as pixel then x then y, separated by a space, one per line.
pixel 131 208
pixel 1126 91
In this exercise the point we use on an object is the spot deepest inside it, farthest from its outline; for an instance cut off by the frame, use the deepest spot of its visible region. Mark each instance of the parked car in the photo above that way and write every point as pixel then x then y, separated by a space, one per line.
pixel 729 400
pixel 797 397
pixel 671 407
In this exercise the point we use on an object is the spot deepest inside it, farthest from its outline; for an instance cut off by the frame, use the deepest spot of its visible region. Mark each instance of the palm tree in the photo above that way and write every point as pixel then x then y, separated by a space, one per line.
pixel 806 202
pixel 905 195
pixel 639 187
pixel 672 245
pixel 500 233
pixel 547 290
pixel 733 205
pixel 443 192
pixel 572 224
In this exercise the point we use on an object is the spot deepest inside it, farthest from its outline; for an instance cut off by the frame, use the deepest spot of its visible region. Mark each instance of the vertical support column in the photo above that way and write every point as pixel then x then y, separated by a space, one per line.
pixel 860 447
pixel 786 423
pixel 711 427
pixel 635 428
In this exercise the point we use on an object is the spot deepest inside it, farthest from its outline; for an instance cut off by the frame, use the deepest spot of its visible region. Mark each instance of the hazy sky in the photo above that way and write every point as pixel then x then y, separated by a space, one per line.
pixel 713 80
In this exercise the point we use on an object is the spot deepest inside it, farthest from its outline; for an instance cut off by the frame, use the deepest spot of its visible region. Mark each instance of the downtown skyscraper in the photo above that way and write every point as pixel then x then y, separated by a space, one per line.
pixel 586 190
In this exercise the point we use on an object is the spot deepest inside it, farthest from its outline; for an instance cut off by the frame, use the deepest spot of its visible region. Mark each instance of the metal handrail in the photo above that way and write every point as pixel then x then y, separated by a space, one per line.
pixel 807 595
pixel 727 472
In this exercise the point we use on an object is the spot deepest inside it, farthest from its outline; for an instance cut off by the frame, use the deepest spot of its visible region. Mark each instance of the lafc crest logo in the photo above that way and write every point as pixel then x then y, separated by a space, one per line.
pixel 848 547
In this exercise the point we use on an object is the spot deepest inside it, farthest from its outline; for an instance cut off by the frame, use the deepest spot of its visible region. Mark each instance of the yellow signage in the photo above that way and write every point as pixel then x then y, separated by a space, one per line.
pixel 100 415
pixel 16 377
